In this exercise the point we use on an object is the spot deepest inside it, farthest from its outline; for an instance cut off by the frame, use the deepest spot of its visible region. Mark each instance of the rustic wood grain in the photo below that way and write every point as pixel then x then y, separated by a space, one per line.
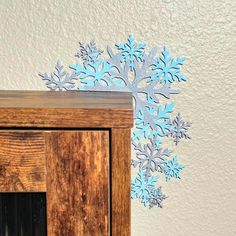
pixel 120 168
pixel 70 109
pixel 22 161
pixel 77 183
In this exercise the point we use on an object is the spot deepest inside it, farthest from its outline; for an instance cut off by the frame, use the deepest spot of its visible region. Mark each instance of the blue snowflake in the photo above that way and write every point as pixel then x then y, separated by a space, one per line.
pixel 172 168
pixel 141 187
pixel 167 69
pixel 92 74
pixel 131 51
pixel 156 127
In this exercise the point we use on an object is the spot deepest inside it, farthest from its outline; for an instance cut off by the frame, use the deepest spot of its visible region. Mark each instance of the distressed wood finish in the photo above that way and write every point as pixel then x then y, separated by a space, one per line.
pixel 71 109
pixel 22 161
pixel 85 174
pixel 120 166
pixel 77 183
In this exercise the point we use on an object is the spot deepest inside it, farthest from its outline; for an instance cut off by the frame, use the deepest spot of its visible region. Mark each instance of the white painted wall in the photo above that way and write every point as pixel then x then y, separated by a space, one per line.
pixel 35 34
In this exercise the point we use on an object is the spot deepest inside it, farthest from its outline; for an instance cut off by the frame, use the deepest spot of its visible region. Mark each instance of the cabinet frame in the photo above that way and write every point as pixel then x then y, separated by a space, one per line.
pixel 70 111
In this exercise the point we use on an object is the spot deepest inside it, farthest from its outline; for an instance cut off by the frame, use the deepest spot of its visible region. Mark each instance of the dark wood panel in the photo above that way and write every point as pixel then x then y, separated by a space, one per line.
pixel 71 109
pixel 120 166
pixel 77 183
pixel 22 161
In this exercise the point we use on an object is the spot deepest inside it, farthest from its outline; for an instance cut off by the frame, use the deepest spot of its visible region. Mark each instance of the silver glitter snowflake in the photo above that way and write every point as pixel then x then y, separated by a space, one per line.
pixel 179 129
pixel 173 168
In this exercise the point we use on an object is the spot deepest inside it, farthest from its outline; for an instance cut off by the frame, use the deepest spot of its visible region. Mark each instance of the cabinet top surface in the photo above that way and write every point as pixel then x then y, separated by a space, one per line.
pixel 72 109
pixel 67 99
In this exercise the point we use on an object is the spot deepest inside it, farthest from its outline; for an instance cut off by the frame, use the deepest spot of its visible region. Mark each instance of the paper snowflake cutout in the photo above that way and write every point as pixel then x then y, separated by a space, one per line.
pixel 150 158
pixel 172 168
pixel 89 52
pixel 156 198
pixel 149 79
pixel 131 51
pixel 156 127
pixel 59 80
pixel 179 129
pixel 141 187
pixel 167 69
pixel 92 74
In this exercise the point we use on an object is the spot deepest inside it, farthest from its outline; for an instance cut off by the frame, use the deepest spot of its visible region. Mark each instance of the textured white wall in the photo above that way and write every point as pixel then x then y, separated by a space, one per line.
pixel 35 34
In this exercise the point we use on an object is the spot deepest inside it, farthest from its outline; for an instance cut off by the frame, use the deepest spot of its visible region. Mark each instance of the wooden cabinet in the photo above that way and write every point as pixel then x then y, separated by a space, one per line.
pixel 75 147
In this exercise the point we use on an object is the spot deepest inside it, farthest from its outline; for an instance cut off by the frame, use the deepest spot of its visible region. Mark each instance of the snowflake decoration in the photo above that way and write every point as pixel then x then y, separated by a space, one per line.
pixel 179 129
pixel 150 79
pixel 131 51
pixel 92 74
pixel 156 198
pixel 172 169
pixel 150 158
pixel 167 70
pixel 89 52
pixel 59 80
pixel 157 127
pixel 142 187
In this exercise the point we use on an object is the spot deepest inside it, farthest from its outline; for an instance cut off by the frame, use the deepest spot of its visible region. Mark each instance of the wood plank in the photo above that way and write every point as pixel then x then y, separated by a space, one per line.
pixel 22 161
pixel 77 182
pixel 71 109
pixel 120 168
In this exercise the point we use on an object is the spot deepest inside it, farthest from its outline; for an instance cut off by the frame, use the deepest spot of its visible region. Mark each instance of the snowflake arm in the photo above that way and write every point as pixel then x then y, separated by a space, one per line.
pixel 131 51
pixel 173 168
pixel 59 80
pixel 167 70
pixel 179 129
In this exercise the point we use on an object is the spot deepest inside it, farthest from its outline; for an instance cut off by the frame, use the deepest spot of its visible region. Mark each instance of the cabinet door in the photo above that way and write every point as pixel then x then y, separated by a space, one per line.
pixel 72 167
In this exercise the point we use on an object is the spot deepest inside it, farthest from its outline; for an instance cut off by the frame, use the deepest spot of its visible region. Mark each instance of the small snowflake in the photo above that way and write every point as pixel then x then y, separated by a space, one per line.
pixel 131 51
pixel 150 158
pixel 179 129
pixel 172 169
pixel 91 74
pixel 89 52
pixel 167 69
pixel 141 187
pixel 59 80
pixel 156 127
pixel 156 198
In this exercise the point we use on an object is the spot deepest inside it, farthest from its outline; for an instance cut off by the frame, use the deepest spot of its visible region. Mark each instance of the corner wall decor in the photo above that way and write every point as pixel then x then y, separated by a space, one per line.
pixel 150 80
